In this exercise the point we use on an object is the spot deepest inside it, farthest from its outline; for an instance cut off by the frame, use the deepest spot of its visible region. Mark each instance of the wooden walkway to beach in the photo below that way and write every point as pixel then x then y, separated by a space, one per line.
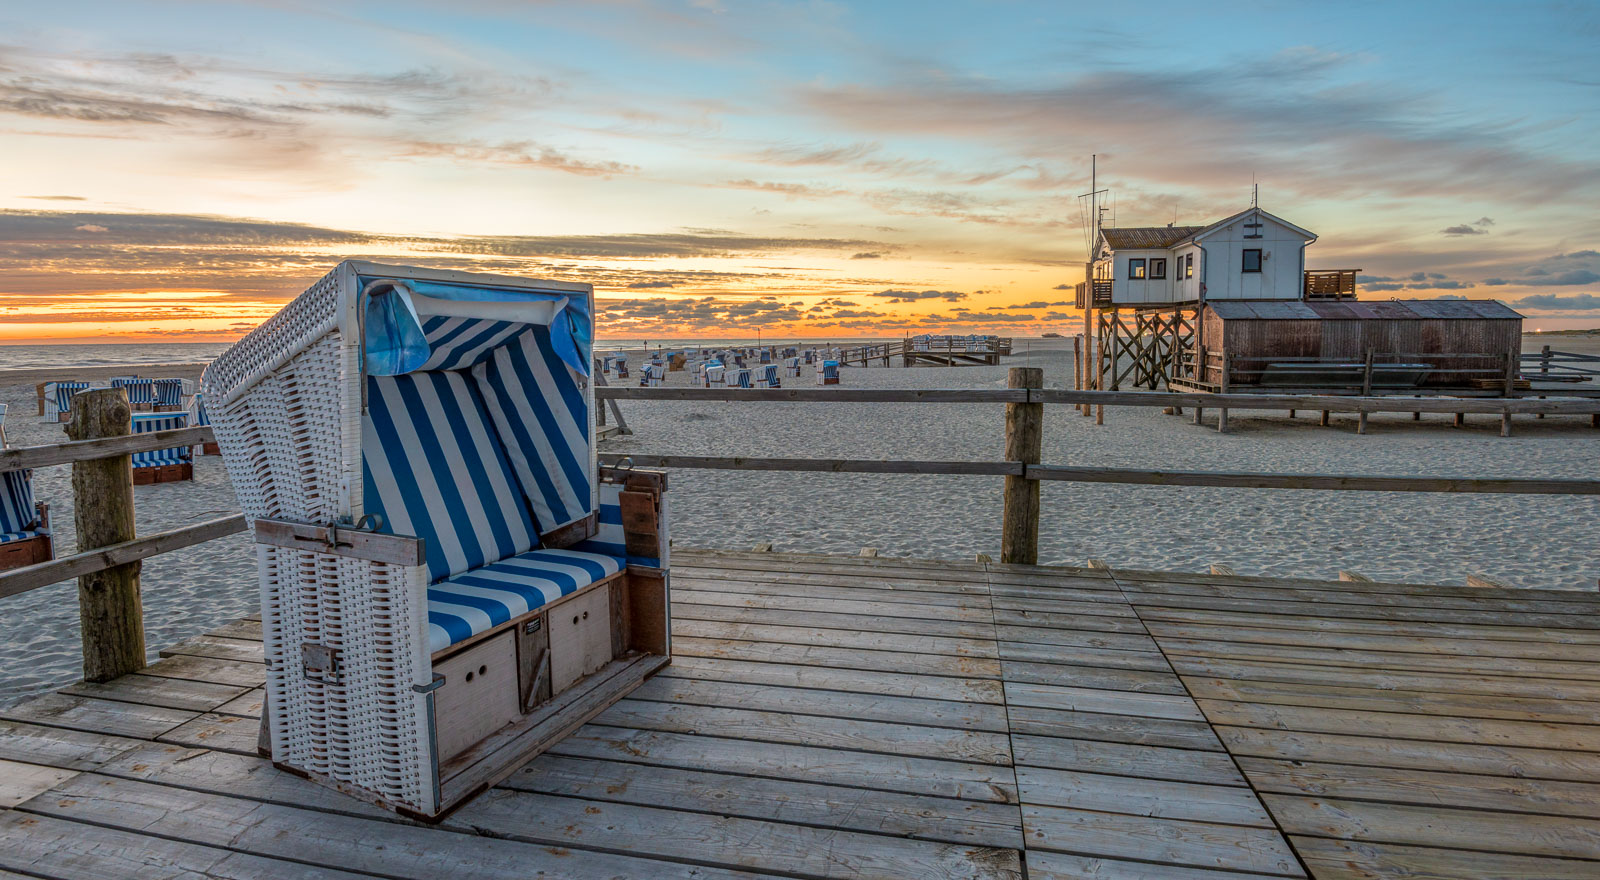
pixel 843 717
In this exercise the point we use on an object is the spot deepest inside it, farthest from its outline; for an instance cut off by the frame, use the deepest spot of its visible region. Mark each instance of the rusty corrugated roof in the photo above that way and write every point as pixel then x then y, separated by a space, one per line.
pixel 1354 310
pixel 1138 237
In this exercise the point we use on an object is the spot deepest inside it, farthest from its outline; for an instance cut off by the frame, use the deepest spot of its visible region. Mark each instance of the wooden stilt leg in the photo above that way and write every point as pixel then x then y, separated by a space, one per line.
pixel 1361 423
pixel 1324 420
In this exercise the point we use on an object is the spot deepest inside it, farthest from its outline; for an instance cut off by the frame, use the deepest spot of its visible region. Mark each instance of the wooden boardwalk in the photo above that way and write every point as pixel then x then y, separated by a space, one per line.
pixel 875 717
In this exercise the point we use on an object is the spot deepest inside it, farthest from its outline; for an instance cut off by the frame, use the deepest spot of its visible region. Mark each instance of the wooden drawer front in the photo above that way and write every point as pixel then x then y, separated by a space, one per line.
pixel 479 695
pixel 580 637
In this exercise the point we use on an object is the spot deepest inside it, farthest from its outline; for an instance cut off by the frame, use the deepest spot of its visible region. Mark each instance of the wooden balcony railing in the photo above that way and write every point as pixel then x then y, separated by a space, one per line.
pixel 1331 283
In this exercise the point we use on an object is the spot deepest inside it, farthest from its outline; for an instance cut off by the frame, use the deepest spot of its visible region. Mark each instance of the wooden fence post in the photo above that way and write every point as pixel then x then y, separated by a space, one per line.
pixel 109 605
pixel 1019 532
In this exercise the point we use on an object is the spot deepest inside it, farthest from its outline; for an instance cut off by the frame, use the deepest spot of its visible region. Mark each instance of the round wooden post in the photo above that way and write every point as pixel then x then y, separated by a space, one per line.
pixel 102 491
pixel 1019 534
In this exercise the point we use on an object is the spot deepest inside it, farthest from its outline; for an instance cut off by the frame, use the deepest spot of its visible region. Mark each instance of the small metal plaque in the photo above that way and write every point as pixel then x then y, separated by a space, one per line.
pixel 533 625
pixel 320 663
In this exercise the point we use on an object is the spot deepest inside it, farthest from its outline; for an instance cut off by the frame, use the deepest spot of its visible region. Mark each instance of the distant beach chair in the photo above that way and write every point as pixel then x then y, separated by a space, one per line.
pixel 767 377
pixel 828 373
pixel 791 367
pixel 168 395
pixel 622 366
pixel 58 399
pixel 738 378
pixel 766 355
pixel 3 442
pixel 715 374
pixel 24 522
pixel 198 418
pixel 170 465
pixel 810 355
pixel 141 391
pixel 652 375
pixel 449 583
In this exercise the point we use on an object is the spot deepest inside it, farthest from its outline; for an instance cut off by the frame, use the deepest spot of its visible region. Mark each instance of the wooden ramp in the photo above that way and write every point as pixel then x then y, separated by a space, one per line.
pixel 877 717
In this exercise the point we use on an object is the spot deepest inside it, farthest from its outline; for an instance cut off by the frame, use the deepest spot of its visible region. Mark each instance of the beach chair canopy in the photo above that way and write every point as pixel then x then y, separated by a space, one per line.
pixel 61 393
pixel 144 423
pixel 168 392
pixel 141 392
pixel 19 516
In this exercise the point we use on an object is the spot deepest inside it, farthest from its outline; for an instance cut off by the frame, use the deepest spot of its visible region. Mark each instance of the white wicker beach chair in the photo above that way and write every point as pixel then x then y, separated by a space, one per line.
pixel 791 367
pixel 828 372
pixel 738 378
pixel 715 374
pixel 24 522
pixel 652 375
pixel 162 465
pixel 58 399
pixel 447 588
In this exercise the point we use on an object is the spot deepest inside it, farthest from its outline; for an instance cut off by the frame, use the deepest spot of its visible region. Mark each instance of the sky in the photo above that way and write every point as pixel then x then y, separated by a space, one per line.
pixel 178 170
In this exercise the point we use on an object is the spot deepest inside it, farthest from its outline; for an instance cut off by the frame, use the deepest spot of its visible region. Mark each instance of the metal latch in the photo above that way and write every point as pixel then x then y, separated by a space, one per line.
pixel 320 663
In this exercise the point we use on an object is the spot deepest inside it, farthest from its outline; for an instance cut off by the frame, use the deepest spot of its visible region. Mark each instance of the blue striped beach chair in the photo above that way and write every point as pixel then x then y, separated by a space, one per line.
pixel 738 378
pixel 766 355
pixel 141 391
pixel 791 367
pixel 168 395
pixel 652 375
pixel 828 372
pixel 767 377
pixel 58 399
pixel 715 374
pixel 439 553
pixel 622 366
pixel 24 522
pixel 162 465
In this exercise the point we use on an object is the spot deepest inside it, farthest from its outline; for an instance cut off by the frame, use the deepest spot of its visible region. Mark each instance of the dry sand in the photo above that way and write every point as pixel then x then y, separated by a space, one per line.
pixel 1533 541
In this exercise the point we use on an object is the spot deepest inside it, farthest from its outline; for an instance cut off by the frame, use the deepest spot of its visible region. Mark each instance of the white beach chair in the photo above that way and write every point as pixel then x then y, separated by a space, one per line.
pixel 446 585
pixel 170 465
pixel 767 377
pixel 58 399
pixel 24 522
pixel 828 373
pixel 715 374
pixel 739 378
pixel 652 375
pixel 791 367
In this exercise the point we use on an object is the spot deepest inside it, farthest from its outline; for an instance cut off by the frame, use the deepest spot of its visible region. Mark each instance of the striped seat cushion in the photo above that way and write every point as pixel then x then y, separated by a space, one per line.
pixel 477 601
pixel 433 467
pixel 8 537
pixel 161 458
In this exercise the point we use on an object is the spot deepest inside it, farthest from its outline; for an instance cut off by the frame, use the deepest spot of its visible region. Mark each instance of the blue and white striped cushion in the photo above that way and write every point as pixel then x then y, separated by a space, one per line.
pixel 140 391
pixel 542 418
pixel 459 343
pixel 144 423
pixel 169 392
pixel 608 538
pixel 433 467
pixel 197 410
pixel 739 379
pixel 17 513
pixel 479 600
pixel 64 392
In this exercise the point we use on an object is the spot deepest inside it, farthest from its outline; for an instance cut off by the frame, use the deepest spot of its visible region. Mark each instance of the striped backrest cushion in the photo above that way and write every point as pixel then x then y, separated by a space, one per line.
pixel 139 390
pixel 64 392
pixel 17 513
pixel 197 408
pixel 459 343
pixel 144 423
pixel 433 467
pixel 542 417
pixel 169 392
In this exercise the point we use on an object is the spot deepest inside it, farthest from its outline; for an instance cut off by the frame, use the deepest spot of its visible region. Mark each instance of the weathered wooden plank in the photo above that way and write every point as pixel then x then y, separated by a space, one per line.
pixel 332 840
pixel 243 650
pixel 1365 860
pixel 1132 681
pixel 861 681
pixel 1482 830
pixel 1063 606
pixel 247 704
pixel 229 733
pixel 98 716
pixel 835 638
pixel 243 628
pixel 1395 660
pixel 1588 623
pixel 1424 787
pixel 1075 622
pixel 1294 600
pixel 1383 700
pixel 1170 841
pixel 828 703
pixel 844 658
pixel 839 465
pixel 969 612
pixel 886 772
pixel 20 782
pixel 959 629
pixel 1121 759
pixel 812 730
pixel 1133 729
pixel 1420 629
pixel 1080 699
pixel 976 823
pixel 229 672
pixel 1495 685
pixel 62 850
pixel 725 841
pixel 152 690
pixel 1482 731
pixel 59 747
pixel 1071 655
pixel 829 588
pixel 1098 590
pixel 1046 865
pixel 1378 752
pixel 1485 648
pixel 943 576
pixel 1152 798
pixel 1049 635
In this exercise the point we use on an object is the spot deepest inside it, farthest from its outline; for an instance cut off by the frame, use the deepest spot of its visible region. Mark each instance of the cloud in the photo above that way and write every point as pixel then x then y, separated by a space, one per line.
pixel 1562 302
pixel 1064 287
pixel 1463 229
pixel 792 190
pixel 1414 281
pixel 1561 270
pixel 90 227
pixel 905 296
pixel 56 198
pixel 648 285
pixel 517 153
pixel 867 255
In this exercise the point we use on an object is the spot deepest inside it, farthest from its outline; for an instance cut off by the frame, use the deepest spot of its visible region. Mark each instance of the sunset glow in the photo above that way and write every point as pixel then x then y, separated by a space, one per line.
pixel 179 170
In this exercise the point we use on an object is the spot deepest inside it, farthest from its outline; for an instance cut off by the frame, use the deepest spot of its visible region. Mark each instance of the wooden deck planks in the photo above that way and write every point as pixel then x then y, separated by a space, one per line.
pixel 867 716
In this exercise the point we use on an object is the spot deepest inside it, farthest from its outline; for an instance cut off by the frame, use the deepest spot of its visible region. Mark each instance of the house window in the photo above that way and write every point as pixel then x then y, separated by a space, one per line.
pixel 1188 265
pixel 1136 270
pixel 1158 269
pixel 1252 260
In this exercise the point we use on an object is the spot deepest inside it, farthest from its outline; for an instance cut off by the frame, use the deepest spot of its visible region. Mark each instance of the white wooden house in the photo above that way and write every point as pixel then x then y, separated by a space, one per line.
pixel 1252 255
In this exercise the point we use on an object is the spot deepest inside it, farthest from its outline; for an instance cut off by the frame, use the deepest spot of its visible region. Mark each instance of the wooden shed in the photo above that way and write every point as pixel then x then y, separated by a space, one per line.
pixel 1413 344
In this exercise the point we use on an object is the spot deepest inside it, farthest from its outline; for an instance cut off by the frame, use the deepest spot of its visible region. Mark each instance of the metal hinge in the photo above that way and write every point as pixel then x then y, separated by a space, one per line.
pixel 320 663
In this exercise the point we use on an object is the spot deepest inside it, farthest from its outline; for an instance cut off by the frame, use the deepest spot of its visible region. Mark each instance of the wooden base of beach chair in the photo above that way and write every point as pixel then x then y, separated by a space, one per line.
pixel 28 551
pixel 65 417
pixel 172 408
pixel 166 473
pixel 209 449
pixel 833 381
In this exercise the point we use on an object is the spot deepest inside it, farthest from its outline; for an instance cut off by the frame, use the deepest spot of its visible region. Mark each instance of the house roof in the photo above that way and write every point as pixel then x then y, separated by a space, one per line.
pixel 1138 237
pixel 1352 310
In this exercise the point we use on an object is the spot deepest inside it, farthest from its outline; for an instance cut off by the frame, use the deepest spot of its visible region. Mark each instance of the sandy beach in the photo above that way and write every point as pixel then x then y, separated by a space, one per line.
pixel 1531 541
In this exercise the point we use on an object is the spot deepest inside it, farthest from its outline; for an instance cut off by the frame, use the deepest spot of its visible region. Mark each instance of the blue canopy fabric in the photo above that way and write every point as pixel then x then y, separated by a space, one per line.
pixel 397 343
